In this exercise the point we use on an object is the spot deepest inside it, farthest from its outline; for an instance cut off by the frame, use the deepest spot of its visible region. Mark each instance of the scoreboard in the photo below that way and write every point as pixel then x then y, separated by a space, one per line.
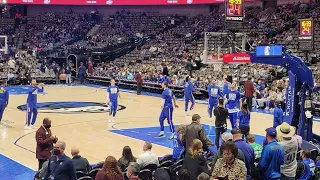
pixel 305 34
pixel 234 10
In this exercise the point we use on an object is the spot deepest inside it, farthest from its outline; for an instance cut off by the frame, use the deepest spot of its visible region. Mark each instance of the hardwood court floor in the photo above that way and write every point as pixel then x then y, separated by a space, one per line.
pixel 89 131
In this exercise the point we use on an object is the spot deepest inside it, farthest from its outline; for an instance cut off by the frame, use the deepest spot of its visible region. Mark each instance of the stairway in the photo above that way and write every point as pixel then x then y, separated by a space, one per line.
pixel 93 30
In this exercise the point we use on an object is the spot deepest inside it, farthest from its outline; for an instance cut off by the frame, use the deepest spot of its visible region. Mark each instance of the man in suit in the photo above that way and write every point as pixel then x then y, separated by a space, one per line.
pixel 248 92
pixel 45 141
pixel 139 80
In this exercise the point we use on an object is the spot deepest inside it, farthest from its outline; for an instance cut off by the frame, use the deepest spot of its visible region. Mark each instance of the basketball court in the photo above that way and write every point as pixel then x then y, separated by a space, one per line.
pixel 79 118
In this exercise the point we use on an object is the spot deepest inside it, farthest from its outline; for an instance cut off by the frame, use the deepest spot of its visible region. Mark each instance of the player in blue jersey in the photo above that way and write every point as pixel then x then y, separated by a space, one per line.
pixel 113 94
pixel 169 101
pixel 233 104
pixel 277 115
pixel 31 106
pixel 226 85
pixel 4 98
pixel 214 94
pixel 307 165
pixel 188 96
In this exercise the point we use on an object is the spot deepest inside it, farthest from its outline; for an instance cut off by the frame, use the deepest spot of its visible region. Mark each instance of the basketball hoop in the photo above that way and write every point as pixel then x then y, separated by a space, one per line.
pixel 217 67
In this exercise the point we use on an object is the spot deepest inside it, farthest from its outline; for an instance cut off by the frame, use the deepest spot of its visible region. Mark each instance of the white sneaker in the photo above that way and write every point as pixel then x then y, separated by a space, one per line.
pixel 33 127
pixel 27 127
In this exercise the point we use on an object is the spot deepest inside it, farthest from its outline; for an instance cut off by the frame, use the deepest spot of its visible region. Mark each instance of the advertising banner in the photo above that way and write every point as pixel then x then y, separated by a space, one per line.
pixel 291 97
pixel 237 58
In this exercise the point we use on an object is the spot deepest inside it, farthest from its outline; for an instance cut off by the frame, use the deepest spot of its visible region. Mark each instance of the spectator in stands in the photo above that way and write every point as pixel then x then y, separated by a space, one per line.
pixel 248 92
pixel 42 172
pixel 289 144
pixel 80 163
pixel 110 170
pixel 245 148
pixel 195 131
pixel 60 165
pixel 203 176
pixel 126 158
pixel 133 171
pixel 256 147
pixel 68 73
pixel 56 69
pixel 229 167
pixel 90 68
pixel 45 140
pixel 82 70
pixel 272 156
pixel 194 161
pixel 306 167
pixel 178 148
pixel 225 138
pixel 184 174
pixel 147 157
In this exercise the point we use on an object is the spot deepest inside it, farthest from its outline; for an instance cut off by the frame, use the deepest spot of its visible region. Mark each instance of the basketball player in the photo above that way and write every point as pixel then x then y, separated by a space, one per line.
pixel 214 94
pixel 112 94
pixel 4 98
pixel 32 109
pixel 167 108
pixel 188 96
pixel 233 104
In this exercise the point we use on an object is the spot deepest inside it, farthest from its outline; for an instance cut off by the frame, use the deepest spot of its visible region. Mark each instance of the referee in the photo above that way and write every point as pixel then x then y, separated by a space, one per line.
pixel 221 115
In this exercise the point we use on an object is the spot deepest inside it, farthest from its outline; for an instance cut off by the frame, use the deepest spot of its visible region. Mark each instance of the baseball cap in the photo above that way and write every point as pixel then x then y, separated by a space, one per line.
pixel 226 137
pixel 236 131
pixel 271 131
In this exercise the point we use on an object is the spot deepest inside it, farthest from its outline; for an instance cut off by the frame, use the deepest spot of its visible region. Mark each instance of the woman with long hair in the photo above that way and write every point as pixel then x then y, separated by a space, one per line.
pixel 126 158
pixel 243 120
pixel 110 170
pixel 178 148
pixel 194 161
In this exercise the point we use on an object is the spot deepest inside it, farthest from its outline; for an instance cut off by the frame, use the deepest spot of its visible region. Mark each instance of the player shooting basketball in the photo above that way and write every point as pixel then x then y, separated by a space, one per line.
pixel 32 109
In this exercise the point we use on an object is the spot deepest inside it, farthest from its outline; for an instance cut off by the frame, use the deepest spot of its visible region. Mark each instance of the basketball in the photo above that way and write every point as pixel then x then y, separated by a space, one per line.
pixel 63 76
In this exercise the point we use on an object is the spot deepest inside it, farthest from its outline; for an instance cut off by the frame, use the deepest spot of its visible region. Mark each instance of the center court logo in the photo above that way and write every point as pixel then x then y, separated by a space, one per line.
pixel 72 107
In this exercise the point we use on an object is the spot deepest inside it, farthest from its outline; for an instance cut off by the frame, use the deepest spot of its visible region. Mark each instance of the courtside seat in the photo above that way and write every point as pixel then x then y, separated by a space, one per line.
pixel 145 174
pixel 151 167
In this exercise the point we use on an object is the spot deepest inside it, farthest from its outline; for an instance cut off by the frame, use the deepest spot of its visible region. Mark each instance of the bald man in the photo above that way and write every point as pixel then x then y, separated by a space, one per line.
pixel 80 163
pixel 60 166
pixel 214 94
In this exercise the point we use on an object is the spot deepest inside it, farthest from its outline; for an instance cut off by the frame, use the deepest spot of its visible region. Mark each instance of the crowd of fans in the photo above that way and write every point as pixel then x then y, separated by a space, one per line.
pixel 193 157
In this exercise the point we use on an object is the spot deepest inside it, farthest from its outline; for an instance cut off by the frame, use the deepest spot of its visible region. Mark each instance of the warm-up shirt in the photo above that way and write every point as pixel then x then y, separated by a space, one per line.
pixel 32 94
pixel 188 89
pixel 167 95
pixel 113 92
pixel 4 95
